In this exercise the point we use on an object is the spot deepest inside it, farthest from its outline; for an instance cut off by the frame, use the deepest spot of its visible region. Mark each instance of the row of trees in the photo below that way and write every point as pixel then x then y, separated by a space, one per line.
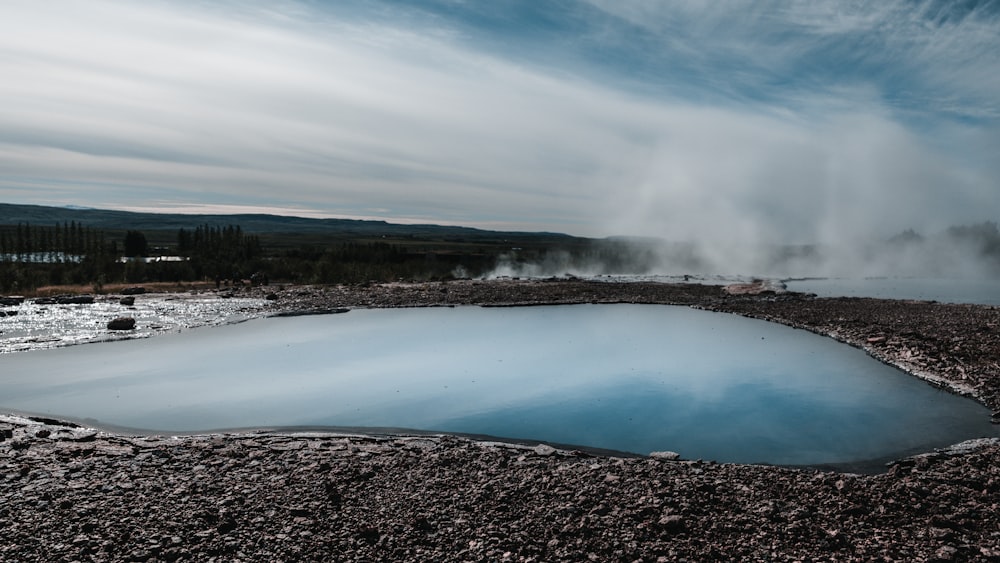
pixel 67 242
pixel 69 253
pixel 218 243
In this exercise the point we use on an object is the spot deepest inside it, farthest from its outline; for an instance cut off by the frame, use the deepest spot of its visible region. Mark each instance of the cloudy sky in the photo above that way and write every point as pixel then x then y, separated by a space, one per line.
pixel 763 120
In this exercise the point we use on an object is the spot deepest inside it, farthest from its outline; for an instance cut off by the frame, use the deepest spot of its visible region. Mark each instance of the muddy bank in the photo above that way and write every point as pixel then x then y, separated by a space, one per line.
pixel 76 494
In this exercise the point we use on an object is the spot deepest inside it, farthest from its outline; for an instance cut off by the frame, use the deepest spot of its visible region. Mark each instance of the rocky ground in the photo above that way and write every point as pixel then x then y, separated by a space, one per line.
pixel 74 494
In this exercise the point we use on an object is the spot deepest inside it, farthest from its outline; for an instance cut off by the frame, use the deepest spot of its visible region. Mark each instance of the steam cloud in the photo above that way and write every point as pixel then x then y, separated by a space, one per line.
pixel 959 252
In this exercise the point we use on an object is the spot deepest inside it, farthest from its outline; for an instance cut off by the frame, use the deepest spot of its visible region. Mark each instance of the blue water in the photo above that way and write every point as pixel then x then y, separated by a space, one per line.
pixel 975 290
pixel 634 378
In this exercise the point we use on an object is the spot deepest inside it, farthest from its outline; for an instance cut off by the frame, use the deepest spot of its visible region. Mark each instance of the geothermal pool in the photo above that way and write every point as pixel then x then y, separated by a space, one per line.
pixel 633 378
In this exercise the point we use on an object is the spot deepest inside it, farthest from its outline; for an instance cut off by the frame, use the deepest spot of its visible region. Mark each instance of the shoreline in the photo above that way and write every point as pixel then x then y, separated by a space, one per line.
pixel 77 494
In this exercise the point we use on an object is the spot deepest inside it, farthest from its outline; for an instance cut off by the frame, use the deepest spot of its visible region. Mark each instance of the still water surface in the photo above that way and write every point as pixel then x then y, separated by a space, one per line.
pixel 636 378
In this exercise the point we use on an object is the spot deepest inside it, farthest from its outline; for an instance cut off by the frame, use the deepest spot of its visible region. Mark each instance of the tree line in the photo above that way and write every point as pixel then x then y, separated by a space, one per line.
pixel 67 253
pixel 34 256
pixel 61 242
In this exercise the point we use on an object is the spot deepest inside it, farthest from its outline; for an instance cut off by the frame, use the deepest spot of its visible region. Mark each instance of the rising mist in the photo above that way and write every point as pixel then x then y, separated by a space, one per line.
pixel 958 252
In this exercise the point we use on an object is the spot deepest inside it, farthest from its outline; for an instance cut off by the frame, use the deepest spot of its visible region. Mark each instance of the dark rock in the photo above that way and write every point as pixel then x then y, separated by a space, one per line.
pixel 127 301
pixel 423 524
pixel 226 525
pixel 76 300
pixel 137 290
pixel 333 493
pixel 369 534
pixel 308 312
pixel 121 323
pixel 65 300
pixel 53 421
pixel 672 522
pixel 11 300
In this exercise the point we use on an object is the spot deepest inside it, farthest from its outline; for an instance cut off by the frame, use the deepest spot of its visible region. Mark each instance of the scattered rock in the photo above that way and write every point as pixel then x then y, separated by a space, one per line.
pixel 136 290
pixel 127 301
pixel 665 455
pixel 185 498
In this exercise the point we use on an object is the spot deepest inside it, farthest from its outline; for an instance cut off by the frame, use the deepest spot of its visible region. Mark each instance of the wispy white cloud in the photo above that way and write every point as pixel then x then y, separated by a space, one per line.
pixel 929 57
pixel 332 113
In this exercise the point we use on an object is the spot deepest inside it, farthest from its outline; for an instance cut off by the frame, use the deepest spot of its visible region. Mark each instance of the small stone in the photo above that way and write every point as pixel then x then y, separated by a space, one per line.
pixel 544 450
pixel 665 455
pixel 121 323
pixel 946 553
pixel 672 522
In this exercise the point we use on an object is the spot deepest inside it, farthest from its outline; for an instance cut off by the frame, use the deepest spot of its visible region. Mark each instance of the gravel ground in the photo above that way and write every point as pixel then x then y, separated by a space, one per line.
pixel 75 494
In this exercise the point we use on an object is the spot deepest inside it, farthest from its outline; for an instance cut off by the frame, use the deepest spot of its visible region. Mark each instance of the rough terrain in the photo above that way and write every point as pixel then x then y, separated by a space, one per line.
pixel 74 494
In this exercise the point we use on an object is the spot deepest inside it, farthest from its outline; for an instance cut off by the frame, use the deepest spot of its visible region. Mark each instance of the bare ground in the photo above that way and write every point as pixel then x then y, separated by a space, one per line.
pixel 73 494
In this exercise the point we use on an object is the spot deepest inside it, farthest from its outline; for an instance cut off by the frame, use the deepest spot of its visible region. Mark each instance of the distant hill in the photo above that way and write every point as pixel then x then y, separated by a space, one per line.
pixel 105 219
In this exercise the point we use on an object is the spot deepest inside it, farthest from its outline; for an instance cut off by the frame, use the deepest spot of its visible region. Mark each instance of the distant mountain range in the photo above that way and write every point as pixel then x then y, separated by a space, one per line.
pixel 111 220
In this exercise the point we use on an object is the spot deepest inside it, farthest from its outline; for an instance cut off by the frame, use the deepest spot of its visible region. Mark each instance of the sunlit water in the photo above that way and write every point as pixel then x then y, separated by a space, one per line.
pixel 979 291
pixel 635 378
pixel 30 326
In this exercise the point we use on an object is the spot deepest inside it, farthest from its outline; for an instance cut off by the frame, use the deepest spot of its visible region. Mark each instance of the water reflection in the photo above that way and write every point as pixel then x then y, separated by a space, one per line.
pixel 632 378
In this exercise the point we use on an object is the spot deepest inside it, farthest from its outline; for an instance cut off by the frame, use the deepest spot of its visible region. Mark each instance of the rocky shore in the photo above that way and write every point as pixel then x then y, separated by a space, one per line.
pixel 75 494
